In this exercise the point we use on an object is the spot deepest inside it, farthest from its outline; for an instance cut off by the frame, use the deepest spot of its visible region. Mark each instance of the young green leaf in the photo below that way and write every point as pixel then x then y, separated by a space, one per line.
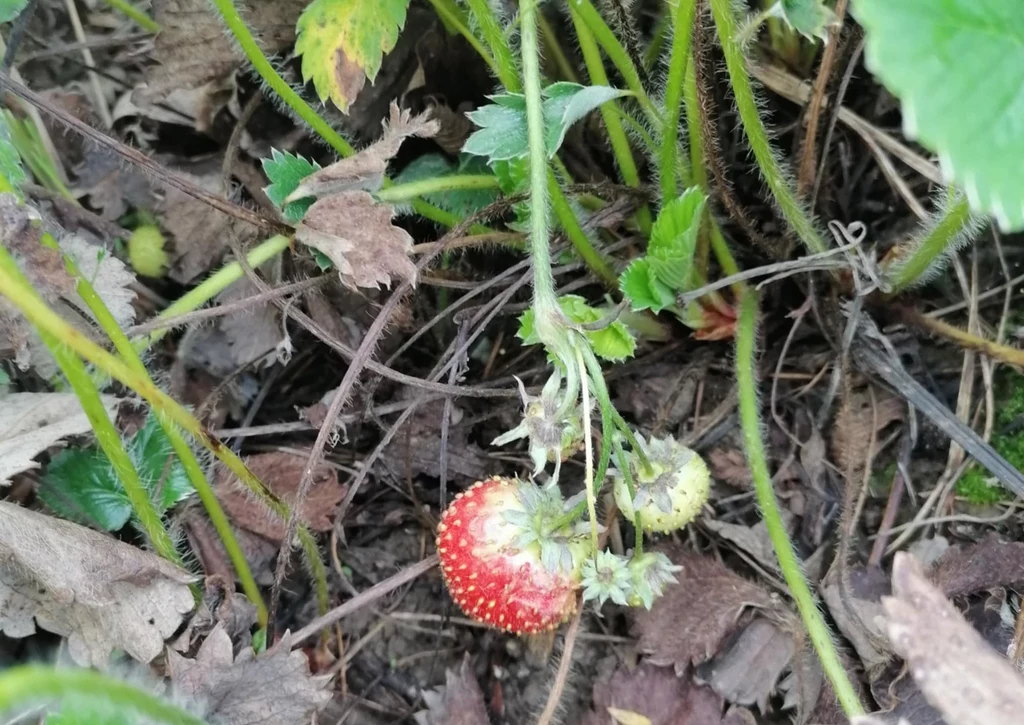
pixel 342 43
pixel 285 170
pixel 10 160
pixel 81 485
pixel 810 18
pixel 957 66
pixel 10 9
pixel 643 288
pixel 502 132
pixel 614 342
pixel 674 239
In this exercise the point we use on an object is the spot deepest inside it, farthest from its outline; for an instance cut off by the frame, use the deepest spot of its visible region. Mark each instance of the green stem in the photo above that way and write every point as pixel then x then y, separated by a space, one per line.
pixel 948 230
pixel 619 57
pixel 182 450
pixel 627 474
pixel 46 321
pixel 141 19
pixel 259 61
pixel 789 564
pixel 490 27
pixel 555 49
pixel 682 36
pixel 449 13
pixel 616 134
pixel 757 136
pixel 213 286
pixel 31 683
pixel 578 238
pixel 437 184
pixel 690 102
pixel 272 78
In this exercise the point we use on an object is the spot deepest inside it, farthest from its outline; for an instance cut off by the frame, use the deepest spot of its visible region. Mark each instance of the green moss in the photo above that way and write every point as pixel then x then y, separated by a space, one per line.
pixel 1007 439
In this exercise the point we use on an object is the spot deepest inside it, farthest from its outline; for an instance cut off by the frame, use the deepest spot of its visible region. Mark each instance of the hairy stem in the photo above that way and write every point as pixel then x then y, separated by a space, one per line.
pixel 46 321
pixel 627 475
pixel 450 14
pixel 616 135
pixel 750 422
pixel 948 231
pixel 436 185
pixel 588 446
pixel 682 34
pixel 31 683
pixel 594 260
pixel 995 350
pixel 757 136
pixel 494 34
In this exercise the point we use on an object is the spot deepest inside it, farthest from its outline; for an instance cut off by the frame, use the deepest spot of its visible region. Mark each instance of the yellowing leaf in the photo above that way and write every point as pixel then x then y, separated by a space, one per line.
pixel 342 43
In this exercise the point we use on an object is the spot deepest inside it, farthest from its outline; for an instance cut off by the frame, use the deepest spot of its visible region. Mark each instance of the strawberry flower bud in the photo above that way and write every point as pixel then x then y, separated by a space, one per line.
pixel 649 573
pixel 605 577
pixel 670 491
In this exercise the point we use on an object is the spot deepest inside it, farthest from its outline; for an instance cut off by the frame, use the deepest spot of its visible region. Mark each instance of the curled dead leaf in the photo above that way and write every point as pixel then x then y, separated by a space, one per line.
pixel 459 702
pixel 358 237
pixel 958 672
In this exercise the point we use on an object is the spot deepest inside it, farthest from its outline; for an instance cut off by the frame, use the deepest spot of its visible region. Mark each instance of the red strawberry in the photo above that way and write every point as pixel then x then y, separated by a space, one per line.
pixel 502 565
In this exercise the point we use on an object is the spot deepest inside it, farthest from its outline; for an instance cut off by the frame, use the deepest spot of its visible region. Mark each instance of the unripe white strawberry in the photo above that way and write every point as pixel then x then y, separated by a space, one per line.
pixel 669 493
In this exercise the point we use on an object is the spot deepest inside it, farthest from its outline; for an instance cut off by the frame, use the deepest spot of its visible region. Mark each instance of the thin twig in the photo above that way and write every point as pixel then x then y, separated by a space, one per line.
pixel 555 696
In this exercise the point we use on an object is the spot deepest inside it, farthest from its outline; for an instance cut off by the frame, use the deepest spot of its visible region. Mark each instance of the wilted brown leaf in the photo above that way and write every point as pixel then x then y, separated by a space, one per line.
pixel 357 235
pixel 459 702
pixel 688 624
pixel 272 688
pixel 655 694
pixel 416 449
pixel 101 593
pixel 365 170
pixel 281 472
pixel 111 185
pixel 986 564
pixel 958 672
pixel 857 615
pixel 729 466
pixel 856 422
pixel 255 334
pixel 748 672
pixel 32 422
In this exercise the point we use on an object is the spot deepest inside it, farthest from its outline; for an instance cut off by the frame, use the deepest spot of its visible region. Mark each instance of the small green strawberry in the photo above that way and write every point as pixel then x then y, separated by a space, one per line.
pixel 670 492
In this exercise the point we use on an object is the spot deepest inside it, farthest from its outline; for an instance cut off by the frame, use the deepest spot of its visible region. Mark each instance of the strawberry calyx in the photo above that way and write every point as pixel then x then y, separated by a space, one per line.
pixel 649 573
pixel 669 490
pixel 505 560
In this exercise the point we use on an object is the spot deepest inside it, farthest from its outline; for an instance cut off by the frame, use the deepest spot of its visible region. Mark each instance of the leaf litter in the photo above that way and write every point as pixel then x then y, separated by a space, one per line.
pixel 100 593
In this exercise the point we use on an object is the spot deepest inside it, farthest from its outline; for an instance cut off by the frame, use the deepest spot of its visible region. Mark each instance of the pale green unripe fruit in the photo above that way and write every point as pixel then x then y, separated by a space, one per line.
pixel 146 251
pixel 669 494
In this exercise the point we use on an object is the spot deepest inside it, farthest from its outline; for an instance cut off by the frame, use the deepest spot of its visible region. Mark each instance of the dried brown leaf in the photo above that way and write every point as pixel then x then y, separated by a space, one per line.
pixel 748 672
pixel 365 170
pixel 111 185
pixel 754 540
pixel 281 472
pixel 32 422
pixel 656 694
pixel 101 593
pixel 855 423
pixel 459 702
pixel 857 616
pixel 255 333
pixel 272 688
pixel 193 49
pixel 986 564
pixel 729 466
pixel 688 624
pixel 416 449
pixel 958 672
pixel 357 235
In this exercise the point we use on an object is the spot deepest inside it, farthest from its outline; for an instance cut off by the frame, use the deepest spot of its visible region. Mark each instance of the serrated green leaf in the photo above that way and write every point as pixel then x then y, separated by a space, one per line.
pixel 810 18
pixel 463 202
pixel 10 9
pixel 503 131
pixel 10 160
pixel 342 43
pixel 566 104
pixel 674 239
pixel 957 67
pixel 81 485
pixel 613 343
pixel 285 170
pixel 643 289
